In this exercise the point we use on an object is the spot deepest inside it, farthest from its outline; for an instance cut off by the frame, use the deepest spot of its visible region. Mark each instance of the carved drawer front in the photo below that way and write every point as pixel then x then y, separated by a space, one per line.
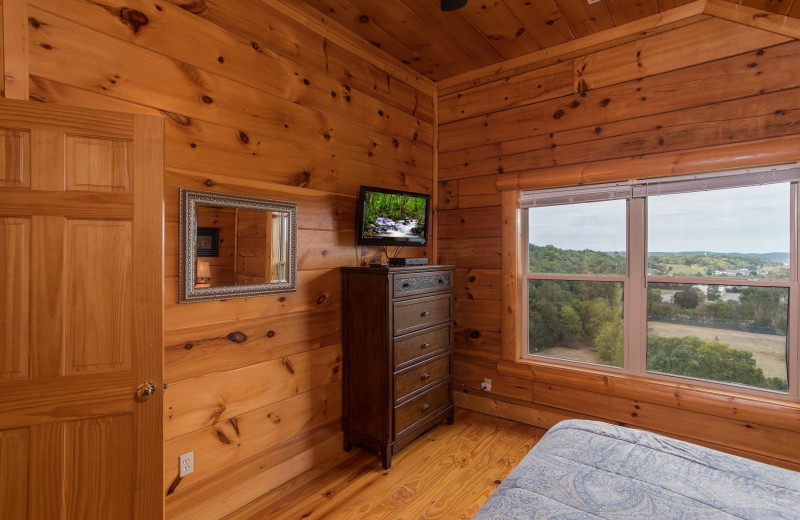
pixel 405 285
pixel 409 348
pixel 419 313
pixel 420 376
pixel 420 407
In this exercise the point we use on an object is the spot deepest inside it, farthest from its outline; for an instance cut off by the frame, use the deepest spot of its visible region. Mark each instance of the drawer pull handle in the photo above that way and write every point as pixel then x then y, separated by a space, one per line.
pixel 425 313
pixel 426 407
pixel 441 280
pixel 425 376
pixel 406 284
pixel 425 345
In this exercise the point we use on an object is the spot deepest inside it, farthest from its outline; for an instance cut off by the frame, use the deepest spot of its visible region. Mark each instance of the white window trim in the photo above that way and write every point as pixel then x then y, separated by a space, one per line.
pixel 635 280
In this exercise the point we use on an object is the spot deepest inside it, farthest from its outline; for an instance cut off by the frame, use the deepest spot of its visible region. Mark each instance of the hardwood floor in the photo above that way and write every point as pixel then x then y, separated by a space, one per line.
pixel 447 473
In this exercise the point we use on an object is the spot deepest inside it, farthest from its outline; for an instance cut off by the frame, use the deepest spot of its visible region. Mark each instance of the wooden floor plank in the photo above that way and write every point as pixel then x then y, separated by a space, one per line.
pixel 447 473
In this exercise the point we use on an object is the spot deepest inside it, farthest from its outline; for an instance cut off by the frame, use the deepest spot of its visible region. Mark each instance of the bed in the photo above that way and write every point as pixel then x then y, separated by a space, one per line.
pixel 591 470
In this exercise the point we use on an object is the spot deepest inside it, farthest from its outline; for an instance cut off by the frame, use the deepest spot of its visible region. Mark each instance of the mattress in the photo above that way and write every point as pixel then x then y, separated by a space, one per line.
pixel 591 470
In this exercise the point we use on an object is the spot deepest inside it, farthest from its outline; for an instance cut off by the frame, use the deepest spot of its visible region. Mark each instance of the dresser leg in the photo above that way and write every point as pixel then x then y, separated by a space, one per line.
pixel 451 417
pixel 386 457
pixel 347 444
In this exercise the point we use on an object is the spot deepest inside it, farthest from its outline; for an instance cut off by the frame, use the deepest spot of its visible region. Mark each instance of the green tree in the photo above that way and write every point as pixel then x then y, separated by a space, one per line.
pixel 569 323
pixel 688 298
pixel 693 357
pixel 610 343
pixel 713 294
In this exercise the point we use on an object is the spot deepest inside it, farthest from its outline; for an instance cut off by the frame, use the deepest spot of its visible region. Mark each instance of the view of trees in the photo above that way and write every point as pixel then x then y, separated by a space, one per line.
pixel 693 357
pixel 578 314
pixel 393 206
pixel 588 315
pixel 703 264
pixel 551 259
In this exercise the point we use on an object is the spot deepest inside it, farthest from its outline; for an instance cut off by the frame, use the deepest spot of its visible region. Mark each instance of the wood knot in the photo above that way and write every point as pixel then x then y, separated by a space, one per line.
pixel 133 19
pixel 209 183
pixel 559 114
pixel 243 137
pixel 237 337
pixel 34 22
pixel 188 346
pixel 302 179
pixel 207 99
pixel 321 299
pixel 271 334
pixel 474 334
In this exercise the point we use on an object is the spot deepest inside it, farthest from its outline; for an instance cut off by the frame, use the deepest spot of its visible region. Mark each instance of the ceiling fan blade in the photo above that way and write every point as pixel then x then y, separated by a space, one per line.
pixel 452 5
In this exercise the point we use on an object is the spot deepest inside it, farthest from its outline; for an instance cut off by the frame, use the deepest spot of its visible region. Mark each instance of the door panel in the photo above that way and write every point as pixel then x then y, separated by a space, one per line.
pixel 15 239
pixel 81 303
pixel 98 309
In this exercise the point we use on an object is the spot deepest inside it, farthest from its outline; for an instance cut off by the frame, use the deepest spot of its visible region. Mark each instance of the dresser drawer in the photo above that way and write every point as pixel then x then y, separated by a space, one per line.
pixel 419 283
pixel 408 348
pixel 419 313
pixel 419 376
pixel 420 407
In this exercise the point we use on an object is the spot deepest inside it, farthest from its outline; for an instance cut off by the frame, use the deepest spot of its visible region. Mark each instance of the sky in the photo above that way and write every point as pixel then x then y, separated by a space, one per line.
pixel 739 220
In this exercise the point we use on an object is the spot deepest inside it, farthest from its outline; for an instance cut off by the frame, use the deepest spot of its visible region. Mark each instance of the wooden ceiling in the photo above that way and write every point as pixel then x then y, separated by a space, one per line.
pixel 441 45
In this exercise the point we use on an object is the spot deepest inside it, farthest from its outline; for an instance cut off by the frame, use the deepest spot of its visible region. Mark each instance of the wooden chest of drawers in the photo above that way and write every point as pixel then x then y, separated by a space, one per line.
pixel 398 337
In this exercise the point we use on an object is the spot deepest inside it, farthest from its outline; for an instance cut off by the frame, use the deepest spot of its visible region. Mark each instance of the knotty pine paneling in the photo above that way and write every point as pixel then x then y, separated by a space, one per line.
pixel 254 103
pixel 667 98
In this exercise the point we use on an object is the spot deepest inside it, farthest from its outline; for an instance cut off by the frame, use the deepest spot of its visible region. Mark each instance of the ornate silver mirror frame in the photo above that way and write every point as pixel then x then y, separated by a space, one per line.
pixel 189 291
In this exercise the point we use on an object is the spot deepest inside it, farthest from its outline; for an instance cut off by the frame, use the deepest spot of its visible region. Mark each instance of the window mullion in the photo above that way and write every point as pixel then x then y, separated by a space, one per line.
pixel 636 313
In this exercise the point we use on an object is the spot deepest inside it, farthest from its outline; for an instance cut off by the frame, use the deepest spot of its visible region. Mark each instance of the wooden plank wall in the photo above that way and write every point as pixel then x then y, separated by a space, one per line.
pixel 255 103
pixel 701 82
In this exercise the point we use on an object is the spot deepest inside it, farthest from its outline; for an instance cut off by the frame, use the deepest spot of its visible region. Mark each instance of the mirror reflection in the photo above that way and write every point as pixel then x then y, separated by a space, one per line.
pixel 235 246
pixel 238 246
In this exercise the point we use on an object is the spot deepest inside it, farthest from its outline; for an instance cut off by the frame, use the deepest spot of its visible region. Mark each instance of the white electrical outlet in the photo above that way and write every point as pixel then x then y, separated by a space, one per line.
pixel 487 384
pixel 186 463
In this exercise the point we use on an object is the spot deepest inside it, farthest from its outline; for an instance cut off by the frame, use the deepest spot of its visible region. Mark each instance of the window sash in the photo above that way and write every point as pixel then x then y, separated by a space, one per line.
pixel 636 280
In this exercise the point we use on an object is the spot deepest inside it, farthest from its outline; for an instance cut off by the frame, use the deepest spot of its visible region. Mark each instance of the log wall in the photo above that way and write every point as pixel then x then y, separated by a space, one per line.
pixel 254 103
pixel 605 111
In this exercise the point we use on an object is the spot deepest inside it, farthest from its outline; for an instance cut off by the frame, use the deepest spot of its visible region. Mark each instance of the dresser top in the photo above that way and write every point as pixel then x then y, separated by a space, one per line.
pixel 395 270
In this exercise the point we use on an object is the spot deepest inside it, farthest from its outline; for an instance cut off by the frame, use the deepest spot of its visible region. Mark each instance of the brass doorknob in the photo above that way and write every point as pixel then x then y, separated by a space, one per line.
pixel 145 390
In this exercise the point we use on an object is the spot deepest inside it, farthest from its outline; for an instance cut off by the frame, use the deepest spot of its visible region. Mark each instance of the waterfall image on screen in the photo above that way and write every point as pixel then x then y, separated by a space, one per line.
pixel 393 215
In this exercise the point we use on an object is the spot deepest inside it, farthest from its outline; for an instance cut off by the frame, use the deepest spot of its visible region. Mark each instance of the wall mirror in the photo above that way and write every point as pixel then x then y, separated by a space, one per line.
pixel 235 246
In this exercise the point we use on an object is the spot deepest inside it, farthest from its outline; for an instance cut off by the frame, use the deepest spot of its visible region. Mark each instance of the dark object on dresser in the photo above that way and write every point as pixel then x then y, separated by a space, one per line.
pixel 398 337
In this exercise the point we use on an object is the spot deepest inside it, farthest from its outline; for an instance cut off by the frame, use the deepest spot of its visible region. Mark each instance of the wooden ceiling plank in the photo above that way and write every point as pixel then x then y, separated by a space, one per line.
pixel 626 11
pixel 585 19
pixel 418 33
pixel 498 24
pixel 359 22
pixel 452 28
pixel 542 20
pixel 344 37
pixel 783 25
pixel 497 71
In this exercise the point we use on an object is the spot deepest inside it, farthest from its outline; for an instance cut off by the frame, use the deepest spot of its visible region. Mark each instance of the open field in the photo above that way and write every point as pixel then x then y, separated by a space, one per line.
pixel 768 350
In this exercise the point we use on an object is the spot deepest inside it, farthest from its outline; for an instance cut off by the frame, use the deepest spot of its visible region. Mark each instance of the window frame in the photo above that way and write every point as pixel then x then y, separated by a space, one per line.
pixel 636 279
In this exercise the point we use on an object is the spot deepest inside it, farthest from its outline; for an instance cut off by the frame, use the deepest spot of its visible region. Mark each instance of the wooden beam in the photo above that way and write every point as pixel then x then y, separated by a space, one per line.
pixel 740 155
pixel 767 21
pixel 435 184
pixel 15 49
pixel 511 250
pixel 498 70
pixel 347 39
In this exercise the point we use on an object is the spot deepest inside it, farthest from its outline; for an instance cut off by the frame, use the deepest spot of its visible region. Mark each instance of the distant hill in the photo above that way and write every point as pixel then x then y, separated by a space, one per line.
pixel 775 257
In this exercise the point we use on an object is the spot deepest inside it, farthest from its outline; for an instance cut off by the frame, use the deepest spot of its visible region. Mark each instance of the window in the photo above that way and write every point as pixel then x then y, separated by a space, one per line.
pixel 677 278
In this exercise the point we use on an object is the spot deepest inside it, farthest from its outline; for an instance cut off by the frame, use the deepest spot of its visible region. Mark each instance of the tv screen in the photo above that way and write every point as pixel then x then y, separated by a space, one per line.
pixel 392 218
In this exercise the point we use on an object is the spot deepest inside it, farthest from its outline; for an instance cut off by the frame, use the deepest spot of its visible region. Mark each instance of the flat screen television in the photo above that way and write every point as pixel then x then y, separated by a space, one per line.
pixel 392 217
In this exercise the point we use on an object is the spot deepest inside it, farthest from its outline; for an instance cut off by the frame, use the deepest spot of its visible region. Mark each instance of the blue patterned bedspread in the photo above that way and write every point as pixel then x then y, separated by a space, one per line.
pixel 590 470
